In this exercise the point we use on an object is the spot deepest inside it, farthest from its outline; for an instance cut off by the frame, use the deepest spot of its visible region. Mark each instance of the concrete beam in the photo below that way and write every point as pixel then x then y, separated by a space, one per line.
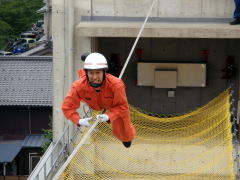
pixel 161 30
pixel 162 8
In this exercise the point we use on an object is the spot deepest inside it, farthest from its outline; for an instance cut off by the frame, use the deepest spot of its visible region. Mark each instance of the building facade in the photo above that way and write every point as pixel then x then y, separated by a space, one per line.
pixel 178 31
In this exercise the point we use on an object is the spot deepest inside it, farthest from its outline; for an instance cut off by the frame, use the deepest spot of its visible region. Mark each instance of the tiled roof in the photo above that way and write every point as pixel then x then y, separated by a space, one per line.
pixel 26 81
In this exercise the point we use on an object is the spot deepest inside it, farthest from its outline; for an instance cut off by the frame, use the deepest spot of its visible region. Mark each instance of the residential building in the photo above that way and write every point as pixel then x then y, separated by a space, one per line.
pixel 25 110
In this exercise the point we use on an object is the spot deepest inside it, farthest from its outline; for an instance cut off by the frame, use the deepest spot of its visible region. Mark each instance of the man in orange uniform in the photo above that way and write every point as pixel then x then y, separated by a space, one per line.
pixel 100 91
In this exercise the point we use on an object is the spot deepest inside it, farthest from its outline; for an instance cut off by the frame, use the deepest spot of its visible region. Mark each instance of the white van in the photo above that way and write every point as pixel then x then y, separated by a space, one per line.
pixel 32 43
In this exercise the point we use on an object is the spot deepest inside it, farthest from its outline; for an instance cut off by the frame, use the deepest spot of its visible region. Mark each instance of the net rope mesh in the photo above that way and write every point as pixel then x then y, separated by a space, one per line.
pixel 193 146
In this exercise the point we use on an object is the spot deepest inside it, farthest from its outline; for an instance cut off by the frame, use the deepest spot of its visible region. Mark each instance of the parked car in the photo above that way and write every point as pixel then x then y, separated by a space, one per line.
pixel 5 53
pixel 19 42
pixel 40 23
pixel 20 48
pixel 37 34
pixel 28 35
pixel 32 43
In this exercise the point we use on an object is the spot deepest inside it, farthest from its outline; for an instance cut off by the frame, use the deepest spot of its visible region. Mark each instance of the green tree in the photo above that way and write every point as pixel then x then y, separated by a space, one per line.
pixel 19 15
pixel 6 31
pixel 47 136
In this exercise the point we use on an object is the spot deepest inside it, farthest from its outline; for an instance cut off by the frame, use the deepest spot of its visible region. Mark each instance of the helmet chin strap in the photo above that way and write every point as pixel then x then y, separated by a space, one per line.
pixel 96 85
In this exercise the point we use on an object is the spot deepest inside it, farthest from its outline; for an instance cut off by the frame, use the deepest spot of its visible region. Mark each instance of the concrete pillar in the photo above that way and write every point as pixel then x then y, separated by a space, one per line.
pixel 76 46
pixel 59 55
pixel 47 16
pixel 68 47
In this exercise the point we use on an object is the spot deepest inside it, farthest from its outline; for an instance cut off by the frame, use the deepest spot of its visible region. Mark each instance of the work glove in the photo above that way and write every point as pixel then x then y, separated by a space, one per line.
pixel 102 117
pixel 84 122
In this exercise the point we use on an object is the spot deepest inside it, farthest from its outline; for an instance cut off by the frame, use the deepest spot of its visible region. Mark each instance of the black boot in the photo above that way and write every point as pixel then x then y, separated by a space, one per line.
pixel 235 22
pixel 127 144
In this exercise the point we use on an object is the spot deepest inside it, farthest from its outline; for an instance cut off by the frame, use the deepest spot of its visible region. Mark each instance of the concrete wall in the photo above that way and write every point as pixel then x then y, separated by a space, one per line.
pixel 163 8
pixel 186 98
pixel 68 45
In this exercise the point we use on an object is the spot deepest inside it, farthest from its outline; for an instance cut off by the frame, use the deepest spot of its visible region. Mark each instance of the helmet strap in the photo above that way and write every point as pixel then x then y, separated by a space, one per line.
pixel 96 85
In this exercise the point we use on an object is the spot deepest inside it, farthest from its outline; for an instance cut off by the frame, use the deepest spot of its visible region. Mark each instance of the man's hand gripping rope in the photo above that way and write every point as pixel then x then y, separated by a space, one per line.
pixel 100 118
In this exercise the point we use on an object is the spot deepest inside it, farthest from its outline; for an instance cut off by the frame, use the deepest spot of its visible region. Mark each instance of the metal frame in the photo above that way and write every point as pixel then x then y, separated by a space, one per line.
pixel 57 152
pixel 52 158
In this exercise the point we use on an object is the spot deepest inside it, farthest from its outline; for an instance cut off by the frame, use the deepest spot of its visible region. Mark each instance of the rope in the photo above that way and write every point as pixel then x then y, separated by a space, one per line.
pixel 76 150
pixel 136 41
pixel 97 121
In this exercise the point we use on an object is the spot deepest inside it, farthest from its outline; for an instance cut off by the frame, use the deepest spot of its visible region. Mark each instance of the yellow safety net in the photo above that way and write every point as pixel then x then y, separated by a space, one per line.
pixel 193 146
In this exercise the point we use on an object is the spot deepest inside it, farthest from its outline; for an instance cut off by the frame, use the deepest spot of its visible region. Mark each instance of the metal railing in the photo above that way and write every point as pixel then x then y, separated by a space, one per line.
pixel 52 158
pixel 57 153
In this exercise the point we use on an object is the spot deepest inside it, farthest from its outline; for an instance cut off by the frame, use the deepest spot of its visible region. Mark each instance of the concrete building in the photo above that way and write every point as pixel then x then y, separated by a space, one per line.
pixel 187 53
pixel 178 31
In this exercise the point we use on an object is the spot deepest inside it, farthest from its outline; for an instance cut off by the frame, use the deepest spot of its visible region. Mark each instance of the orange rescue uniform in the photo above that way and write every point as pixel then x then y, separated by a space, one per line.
pixel 111 97
pixel 81 73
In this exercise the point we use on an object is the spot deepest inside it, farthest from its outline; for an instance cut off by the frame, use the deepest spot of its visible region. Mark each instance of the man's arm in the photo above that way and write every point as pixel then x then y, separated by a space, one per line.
pixel 70 105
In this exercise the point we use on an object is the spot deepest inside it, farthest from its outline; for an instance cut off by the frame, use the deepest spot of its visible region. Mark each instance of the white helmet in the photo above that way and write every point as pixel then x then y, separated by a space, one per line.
pixel 95 61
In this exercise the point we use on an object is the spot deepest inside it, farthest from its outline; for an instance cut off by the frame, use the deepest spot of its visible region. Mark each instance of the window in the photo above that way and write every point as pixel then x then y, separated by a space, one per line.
pixel 33 160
